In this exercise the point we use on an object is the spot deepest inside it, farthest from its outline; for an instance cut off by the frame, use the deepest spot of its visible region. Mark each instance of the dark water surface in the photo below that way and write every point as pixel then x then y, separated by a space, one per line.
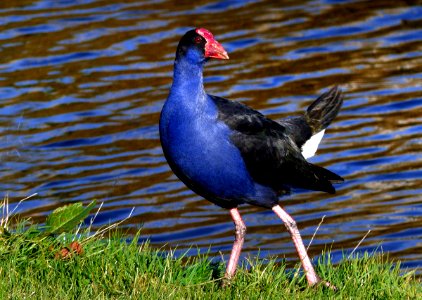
pixel 82 84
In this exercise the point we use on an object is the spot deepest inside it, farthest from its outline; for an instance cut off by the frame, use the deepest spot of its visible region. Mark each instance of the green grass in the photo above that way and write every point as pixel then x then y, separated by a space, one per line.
pixel 111 268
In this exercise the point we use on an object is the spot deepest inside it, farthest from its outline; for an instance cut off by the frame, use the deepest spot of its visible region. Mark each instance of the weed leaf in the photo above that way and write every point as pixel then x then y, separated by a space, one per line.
pixel 67 217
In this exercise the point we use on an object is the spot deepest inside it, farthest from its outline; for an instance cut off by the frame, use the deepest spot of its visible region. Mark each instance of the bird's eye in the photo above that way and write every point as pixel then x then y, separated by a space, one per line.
pixel 198 40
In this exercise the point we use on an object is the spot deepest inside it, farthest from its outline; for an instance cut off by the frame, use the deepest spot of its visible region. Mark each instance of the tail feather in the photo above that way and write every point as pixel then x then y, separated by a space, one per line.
pixel 318 116
pixel 324 109
pixel 323 179
pixel 326 174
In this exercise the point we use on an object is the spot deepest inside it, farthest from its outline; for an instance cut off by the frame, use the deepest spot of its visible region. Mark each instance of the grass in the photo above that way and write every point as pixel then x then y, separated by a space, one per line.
pixel 111 268
pixel 35 264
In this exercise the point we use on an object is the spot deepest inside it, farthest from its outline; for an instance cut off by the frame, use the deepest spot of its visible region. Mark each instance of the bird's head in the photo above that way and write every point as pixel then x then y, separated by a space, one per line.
pixel 198 45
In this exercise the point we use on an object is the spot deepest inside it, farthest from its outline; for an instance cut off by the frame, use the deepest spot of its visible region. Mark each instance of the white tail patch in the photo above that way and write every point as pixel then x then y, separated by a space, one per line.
pixel 310 147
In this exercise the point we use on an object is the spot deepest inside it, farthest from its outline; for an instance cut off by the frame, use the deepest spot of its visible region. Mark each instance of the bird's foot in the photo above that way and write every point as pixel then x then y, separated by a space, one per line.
pixel 226 282
pixel 329 285
pixel 325 283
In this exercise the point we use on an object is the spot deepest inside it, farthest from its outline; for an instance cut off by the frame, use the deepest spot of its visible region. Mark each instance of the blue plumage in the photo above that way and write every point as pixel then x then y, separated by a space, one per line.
pixel 197 143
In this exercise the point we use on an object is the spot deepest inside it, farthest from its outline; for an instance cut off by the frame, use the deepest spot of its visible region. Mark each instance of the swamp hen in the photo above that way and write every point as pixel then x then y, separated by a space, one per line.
pixel 230 154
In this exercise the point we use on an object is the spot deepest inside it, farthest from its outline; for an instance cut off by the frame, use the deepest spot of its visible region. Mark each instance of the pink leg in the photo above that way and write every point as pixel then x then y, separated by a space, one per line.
pixel 238 243
pixel 311 276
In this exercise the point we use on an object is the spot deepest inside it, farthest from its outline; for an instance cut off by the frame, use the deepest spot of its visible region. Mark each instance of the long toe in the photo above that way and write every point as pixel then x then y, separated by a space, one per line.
pixel 226 282
pixel 326 284
pixel 329 285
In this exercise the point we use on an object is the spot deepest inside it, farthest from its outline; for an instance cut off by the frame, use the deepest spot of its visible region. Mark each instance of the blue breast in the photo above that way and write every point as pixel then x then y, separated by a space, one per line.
pixel 198 148
pixel 197 144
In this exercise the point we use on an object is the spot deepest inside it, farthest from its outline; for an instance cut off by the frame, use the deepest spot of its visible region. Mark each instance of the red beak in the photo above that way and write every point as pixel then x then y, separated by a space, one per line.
pixel 212 47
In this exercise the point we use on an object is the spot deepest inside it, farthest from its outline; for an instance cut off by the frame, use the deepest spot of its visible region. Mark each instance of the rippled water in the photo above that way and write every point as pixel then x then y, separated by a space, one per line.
pixel 82 84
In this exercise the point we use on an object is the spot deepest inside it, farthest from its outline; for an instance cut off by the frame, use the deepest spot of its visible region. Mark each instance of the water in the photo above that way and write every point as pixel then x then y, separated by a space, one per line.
pixel 82 84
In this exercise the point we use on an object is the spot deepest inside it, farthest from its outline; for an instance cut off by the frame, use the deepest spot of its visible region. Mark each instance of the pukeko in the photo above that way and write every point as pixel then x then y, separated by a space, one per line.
pixel 230 154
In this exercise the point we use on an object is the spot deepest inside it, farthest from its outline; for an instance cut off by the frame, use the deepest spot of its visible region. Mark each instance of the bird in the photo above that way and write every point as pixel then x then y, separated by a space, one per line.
pixel 231 154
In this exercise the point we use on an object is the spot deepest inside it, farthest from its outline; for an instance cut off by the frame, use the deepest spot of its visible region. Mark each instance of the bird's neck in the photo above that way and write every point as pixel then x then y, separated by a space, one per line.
pixel 187 81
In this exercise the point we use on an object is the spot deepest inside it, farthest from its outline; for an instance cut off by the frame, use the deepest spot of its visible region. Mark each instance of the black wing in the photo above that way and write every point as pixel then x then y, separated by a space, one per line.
pixel 269 149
